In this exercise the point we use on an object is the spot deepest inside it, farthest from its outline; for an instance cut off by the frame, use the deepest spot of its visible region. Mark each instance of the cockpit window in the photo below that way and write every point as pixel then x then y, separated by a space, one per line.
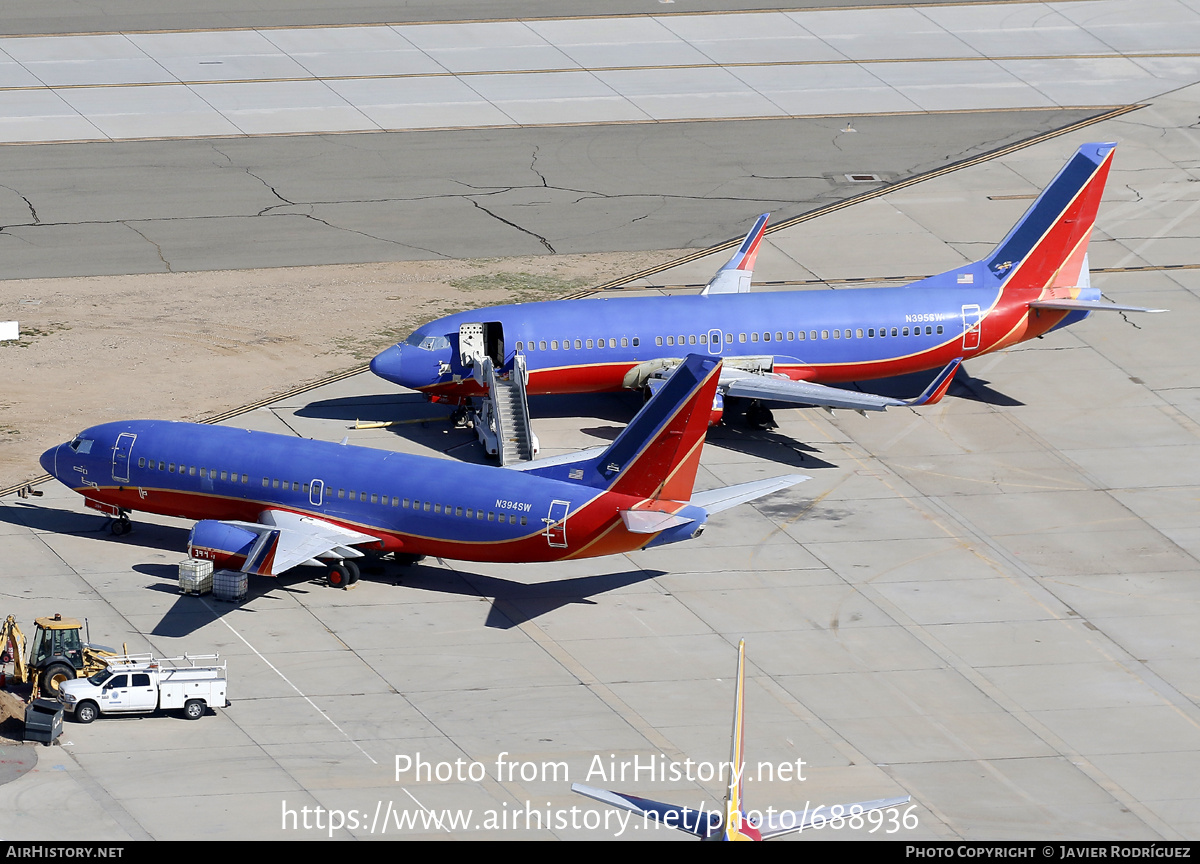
pixel 82 445
pixel 428 343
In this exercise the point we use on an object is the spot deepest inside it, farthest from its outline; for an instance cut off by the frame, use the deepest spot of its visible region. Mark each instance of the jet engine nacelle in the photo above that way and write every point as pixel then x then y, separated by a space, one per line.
pixel 225 545
pixel 653 385
pixel 718 409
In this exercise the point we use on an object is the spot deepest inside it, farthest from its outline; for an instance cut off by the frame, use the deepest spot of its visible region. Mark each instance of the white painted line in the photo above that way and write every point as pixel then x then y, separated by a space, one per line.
pixel 271 666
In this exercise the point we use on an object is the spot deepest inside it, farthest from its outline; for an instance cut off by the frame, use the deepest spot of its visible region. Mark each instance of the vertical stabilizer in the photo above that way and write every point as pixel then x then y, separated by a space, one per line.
pixel 1047 248
pixel 658 453
pixel 737 752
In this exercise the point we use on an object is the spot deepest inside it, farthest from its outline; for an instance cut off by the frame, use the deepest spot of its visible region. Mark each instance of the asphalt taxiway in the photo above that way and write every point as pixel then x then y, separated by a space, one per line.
pixel 989 605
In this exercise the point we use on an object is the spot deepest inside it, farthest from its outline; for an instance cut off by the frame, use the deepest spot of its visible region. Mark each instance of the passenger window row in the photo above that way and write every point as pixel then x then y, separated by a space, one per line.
pixel 352 495
pixel 191 471
pixel 553 344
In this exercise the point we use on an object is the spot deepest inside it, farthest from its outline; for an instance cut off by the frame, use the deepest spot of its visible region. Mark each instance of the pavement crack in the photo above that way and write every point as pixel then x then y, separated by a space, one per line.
pixel 534 169
pixel 28 203
pixel 157 248
pixel 538 237
pixel 274 191
pixel 327 224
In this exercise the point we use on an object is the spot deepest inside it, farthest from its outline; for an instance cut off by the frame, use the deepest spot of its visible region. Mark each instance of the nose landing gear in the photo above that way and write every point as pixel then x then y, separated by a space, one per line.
pixel 121 525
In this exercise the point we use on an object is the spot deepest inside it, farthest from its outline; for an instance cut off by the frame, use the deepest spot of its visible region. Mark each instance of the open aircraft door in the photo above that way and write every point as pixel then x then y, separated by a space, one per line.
pixel 121 450
pixel 556 524
pixel 479 339
pixel 972 324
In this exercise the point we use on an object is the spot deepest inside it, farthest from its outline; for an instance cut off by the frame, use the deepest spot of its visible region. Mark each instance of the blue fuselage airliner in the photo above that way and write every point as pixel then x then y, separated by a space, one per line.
pixel 788 346
pixel 270 502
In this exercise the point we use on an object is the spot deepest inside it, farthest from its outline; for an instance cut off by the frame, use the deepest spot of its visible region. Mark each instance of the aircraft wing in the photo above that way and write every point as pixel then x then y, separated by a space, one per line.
pixel 1087 306
pixel 716 500
pixel 699 823
pixel 286 540
pixel 751 385
pixel 791 821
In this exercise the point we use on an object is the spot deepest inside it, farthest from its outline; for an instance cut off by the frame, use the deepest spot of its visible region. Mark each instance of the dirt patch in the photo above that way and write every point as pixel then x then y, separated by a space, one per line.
pixel 184 346
pixel 12 717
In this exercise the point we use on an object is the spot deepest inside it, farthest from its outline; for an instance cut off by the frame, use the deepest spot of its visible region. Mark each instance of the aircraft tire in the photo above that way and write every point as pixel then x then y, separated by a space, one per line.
pixel 338 575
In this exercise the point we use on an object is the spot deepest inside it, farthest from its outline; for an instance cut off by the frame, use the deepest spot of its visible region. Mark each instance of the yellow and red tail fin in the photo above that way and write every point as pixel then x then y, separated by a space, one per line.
pixel 736 825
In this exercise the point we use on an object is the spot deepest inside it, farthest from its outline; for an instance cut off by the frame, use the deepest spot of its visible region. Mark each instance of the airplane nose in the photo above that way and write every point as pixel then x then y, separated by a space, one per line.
pixel 388 365
pixel 48 461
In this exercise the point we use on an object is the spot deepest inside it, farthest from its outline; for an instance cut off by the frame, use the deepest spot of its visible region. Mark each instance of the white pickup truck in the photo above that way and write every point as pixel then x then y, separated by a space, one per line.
pixel 142 683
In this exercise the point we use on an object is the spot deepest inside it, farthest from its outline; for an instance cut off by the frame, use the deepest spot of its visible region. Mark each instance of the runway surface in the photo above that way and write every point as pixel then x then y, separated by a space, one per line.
pixel 989 605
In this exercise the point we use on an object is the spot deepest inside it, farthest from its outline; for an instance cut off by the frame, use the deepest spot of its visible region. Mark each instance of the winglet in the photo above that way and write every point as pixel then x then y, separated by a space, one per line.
pixel 938 386
pixel 735 276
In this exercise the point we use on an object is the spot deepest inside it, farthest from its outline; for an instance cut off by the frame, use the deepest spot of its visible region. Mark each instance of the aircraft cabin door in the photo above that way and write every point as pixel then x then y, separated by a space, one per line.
pixel 478 339
pixel 121 450
pixel 715 345
pixel 316 490
pixel 556 524
pixel 493 341
pixel 470 343
pixel 972 324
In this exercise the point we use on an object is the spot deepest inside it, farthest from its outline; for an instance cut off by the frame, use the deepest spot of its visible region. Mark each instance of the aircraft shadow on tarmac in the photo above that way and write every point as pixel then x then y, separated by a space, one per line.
pixel 421 423
pixel 513 603
pixel 39 517
pixel 377 408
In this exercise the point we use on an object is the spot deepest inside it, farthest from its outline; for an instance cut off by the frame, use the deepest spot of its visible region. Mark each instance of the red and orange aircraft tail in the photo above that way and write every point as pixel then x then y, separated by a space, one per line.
pixel 658 453
pixel 1047 248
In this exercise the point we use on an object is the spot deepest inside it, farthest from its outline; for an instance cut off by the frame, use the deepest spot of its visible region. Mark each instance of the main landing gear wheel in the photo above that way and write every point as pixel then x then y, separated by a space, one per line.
pixel 342 574
pixel 759 416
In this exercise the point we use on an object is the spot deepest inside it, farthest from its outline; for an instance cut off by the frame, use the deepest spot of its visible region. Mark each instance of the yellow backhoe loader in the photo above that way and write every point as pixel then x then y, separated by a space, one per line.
pixel 58 653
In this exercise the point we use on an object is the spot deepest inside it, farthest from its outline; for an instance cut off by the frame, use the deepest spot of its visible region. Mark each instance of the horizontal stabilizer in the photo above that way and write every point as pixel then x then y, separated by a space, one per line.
pixel 736 275
pixel 1088 306
pixel 699 823
pixel 562 459
pixel 716 500
pixel 651 521
pixel 791 821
